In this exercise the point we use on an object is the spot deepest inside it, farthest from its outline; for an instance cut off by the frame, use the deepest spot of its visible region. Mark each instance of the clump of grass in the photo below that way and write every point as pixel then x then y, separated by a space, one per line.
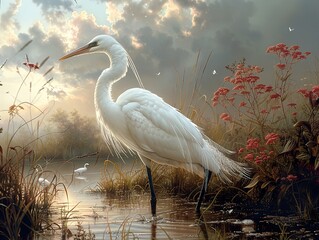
pixel 81 234
pixel 124 182
pixel 116 180
pixel 24 203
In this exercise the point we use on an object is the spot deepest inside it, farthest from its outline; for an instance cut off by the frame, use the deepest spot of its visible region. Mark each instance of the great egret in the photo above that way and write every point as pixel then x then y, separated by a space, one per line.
pixel 82 169
pixel 142 122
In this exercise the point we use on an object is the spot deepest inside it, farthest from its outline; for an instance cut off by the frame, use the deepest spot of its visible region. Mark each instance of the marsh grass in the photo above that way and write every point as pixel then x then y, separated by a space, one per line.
pixel 25 203
pixel 82 234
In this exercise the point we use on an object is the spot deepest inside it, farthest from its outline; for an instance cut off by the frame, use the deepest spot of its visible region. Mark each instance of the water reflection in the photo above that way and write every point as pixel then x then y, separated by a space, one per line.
pixel 108 217
pixel 130 217
pixel 82 178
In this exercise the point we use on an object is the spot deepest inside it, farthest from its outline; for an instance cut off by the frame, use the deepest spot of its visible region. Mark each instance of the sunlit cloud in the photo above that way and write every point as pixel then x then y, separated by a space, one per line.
pixel 113 12
pixel 9 25
pixel 20 84
pixel 170 8
pixel 135 42
pixel 187 33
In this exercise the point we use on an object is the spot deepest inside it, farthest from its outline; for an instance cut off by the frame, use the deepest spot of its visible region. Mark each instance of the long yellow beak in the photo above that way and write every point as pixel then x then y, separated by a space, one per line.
pixel 82 50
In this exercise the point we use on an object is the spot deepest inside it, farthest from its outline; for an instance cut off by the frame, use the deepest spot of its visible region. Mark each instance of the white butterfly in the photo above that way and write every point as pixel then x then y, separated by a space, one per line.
pixel 214 72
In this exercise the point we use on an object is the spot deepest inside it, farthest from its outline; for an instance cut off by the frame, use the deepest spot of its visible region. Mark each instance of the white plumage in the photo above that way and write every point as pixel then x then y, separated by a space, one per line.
pixel 142 122
pixel 44 182
pixel 82 169
pixel 41 180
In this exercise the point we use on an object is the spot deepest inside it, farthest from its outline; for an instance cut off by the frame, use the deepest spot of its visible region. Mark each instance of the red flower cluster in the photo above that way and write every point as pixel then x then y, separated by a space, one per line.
pixel 222 91
pixel 271 138
pixel 244 74
pixel 252 143
pixel 244 81
pixel 257 153
pixel 313 93
pixel 282 50
pixel 287 55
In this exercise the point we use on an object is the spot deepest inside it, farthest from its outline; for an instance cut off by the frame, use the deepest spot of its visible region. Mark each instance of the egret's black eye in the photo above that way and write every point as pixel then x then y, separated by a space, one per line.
pixel 93 44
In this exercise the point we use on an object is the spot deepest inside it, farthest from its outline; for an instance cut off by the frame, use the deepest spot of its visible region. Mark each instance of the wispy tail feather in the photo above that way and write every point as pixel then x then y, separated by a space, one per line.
pixel 225 168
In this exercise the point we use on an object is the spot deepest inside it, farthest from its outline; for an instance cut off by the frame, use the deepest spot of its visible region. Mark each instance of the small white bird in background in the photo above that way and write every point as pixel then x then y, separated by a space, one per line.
pixel 291 29
pixel 82 169
pixel 142 122
pixel 42 181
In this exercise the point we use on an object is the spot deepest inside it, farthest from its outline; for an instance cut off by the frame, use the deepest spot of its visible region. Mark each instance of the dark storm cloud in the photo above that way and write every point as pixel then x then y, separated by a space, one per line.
pixel 230 29
pixel 170 34
pixel 220 26
pixel 160 47
pixel 274 19
pixel 48 5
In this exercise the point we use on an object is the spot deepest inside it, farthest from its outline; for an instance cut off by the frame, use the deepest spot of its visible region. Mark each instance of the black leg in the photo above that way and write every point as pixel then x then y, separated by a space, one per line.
pixel 208 174
pixel 153 196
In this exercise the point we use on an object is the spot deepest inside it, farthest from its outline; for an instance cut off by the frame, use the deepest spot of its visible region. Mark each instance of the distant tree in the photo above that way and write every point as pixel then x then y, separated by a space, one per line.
pixel 73 135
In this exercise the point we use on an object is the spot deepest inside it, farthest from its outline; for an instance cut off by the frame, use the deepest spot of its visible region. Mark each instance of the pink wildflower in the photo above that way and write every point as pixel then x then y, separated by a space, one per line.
pixel 241 150
pixel 271 138
pixel 276 107
pixel 315 89
pixel 242 104
pixel 268 89
pixel 245 92
pixel 260 87
pixel 304 92
pixel 274 96
pixel 252 143
pixel 227 79
pixel 225 117
pixel 249 157
pixel 281 66
pixel 292 105
pixel 291 177
pixel 294 47
pixel 239 87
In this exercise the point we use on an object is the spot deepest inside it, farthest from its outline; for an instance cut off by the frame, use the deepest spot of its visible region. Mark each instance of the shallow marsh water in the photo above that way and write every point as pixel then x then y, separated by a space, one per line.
pixel 130 218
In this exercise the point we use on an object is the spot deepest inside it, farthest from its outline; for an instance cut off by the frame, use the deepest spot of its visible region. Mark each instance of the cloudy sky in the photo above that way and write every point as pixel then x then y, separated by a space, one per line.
pixel 164 39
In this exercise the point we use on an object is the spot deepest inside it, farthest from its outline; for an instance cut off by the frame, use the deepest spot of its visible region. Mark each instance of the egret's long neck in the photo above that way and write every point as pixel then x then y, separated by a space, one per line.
pixel 116 71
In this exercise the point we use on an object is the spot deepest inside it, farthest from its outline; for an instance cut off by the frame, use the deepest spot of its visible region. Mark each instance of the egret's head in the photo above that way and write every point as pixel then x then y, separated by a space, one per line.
pixel 100 43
